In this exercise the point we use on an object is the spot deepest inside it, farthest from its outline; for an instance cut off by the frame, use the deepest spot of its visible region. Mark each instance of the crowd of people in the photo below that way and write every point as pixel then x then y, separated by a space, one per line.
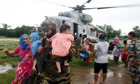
pixel 50 55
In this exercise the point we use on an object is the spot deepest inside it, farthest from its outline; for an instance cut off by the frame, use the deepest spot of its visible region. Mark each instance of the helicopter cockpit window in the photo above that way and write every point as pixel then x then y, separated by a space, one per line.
pixel 58 22
pixel 52 19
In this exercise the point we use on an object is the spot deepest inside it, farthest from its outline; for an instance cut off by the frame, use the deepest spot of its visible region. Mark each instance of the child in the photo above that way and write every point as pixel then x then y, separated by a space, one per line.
pixel 61 43
pixel 37 52
pixel 124 53
pixel 117 53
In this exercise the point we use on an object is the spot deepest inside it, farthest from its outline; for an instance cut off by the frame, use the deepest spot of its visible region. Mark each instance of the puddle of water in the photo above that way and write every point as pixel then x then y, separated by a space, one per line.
pixel 109 73
pixel 5 68
pixel 115 75
pixel 120 74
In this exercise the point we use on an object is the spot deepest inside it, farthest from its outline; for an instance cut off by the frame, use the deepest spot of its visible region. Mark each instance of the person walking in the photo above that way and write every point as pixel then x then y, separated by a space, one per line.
pixel 24 67
pixel 134 58
pixel 101 58
pixel 51 75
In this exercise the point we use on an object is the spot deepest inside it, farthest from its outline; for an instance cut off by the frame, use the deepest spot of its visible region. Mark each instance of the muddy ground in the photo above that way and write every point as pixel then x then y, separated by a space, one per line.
pixel 116 75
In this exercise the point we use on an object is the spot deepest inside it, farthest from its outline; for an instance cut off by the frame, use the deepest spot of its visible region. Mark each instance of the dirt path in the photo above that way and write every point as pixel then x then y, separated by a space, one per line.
pixel 116 75
pixel 9 39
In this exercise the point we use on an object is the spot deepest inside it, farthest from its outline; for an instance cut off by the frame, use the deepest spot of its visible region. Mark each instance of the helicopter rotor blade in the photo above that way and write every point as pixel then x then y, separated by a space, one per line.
pixel 88 1
pixel 54 3
pixel 112 7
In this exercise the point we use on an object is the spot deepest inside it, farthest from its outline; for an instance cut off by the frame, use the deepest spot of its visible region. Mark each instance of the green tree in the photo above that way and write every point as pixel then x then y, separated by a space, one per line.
pixel 137 31
pixel 4 31
pixel 109 31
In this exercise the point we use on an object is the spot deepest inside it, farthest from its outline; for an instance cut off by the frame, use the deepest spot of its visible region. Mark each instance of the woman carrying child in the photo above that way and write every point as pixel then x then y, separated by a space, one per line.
pixel 117 49
pixel 117 53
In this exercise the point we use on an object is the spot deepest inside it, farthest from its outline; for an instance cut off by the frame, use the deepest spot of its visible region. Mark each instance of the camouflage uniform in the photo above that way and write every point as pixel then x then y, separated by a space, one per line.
pixel 51 75
pixel 134 56
pixel 78 45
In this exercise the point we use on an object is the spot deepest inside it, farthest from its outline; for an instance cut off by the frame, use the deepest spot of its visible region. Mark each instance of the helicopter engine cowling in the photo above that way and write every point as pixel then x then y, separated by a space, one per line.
pixel 86 18
pixel 66 14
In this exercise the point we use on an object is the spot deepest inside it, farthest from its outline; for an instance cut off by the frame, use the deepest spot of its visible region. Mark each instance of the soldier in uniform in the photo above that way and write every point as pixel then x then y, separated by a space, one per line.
pixel 134 58
pixel 51 75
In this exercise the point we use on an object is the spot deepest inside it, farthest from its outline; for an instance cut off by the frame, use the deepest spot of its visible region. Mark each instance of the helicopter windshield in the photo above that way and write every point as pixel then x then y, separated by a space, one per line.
pixel 52 19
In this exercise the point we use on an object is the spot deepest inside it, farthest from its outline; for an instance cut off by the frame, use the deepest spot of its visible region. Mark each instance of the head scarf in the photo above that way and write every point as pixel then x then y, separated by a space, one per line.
pixel 21 42
pixel 35 42
pixel 118 41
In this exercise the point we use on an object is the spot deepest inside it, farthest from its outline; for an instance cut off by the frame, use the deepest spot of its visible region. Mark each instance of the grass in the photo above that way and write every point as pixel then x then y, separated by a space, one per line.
pixel 7 78
pixel 10 45
pixel 4 37
pixel 80 63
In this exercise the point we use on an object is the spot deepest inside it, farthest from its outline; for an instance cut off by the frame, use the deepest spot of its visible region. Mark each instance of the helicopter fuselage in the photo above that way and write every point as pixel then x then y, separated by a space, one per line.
pixel 77 25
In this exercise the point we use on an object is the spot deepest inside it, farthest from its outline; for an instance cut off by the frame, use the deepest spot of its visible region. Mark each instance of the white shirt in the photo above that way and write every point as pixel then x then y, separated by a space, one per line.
pixel 128 43
pixel 101 52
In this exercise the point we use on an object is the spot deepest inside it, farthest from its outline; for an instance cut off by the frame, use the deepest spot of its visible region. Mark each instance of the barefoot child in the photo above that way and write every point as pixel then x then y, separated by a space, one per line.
pixel 37 52
pixel 124 53
pixel 61 43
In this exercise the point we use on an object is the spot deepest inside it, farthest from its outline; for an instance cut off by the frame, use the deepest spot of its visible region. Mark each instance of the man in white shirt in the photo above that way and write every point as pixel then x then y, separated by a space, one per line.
pixel 101 58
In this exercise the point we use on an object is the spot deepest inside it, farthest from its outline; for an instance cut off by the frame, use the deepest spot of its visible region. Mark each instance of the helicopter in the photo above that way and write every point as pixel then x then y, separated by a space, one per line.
pixel 79 22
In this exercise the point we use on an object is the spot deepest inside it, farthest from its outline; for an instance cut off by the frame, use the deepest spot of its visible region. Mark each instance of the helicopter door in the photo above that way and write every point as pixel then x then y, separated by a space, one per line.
pixel 75 30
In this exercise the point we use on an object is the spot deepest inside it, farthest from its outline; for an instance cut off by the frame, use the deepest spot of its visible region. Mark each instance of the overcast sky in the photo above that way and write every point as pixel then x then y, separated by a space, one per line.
pixel 32 12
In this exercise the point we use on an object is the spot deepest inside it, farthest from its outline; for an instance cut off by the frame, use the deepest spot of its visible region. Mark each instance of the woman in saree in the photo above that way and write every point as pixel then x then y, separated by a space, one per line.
pixel 24 67
pixel 116 42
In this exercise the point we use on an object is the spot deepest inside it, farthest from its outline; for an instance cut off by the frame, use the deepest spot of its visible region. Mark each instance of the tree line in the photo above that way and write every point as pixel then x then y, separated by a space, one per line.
pixel 5 31
pixel 110 31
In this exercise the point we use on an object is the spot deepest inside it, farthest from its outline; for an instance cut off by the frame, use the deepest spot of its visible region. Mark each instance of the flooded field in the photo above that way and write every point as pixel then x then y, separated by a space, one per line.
pixel 116 75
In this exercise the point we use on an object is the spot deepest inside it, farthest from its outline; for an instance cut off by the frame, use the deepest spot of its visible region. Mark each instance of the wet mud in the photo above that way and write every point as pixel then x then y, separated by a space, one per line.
pixel 116 75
